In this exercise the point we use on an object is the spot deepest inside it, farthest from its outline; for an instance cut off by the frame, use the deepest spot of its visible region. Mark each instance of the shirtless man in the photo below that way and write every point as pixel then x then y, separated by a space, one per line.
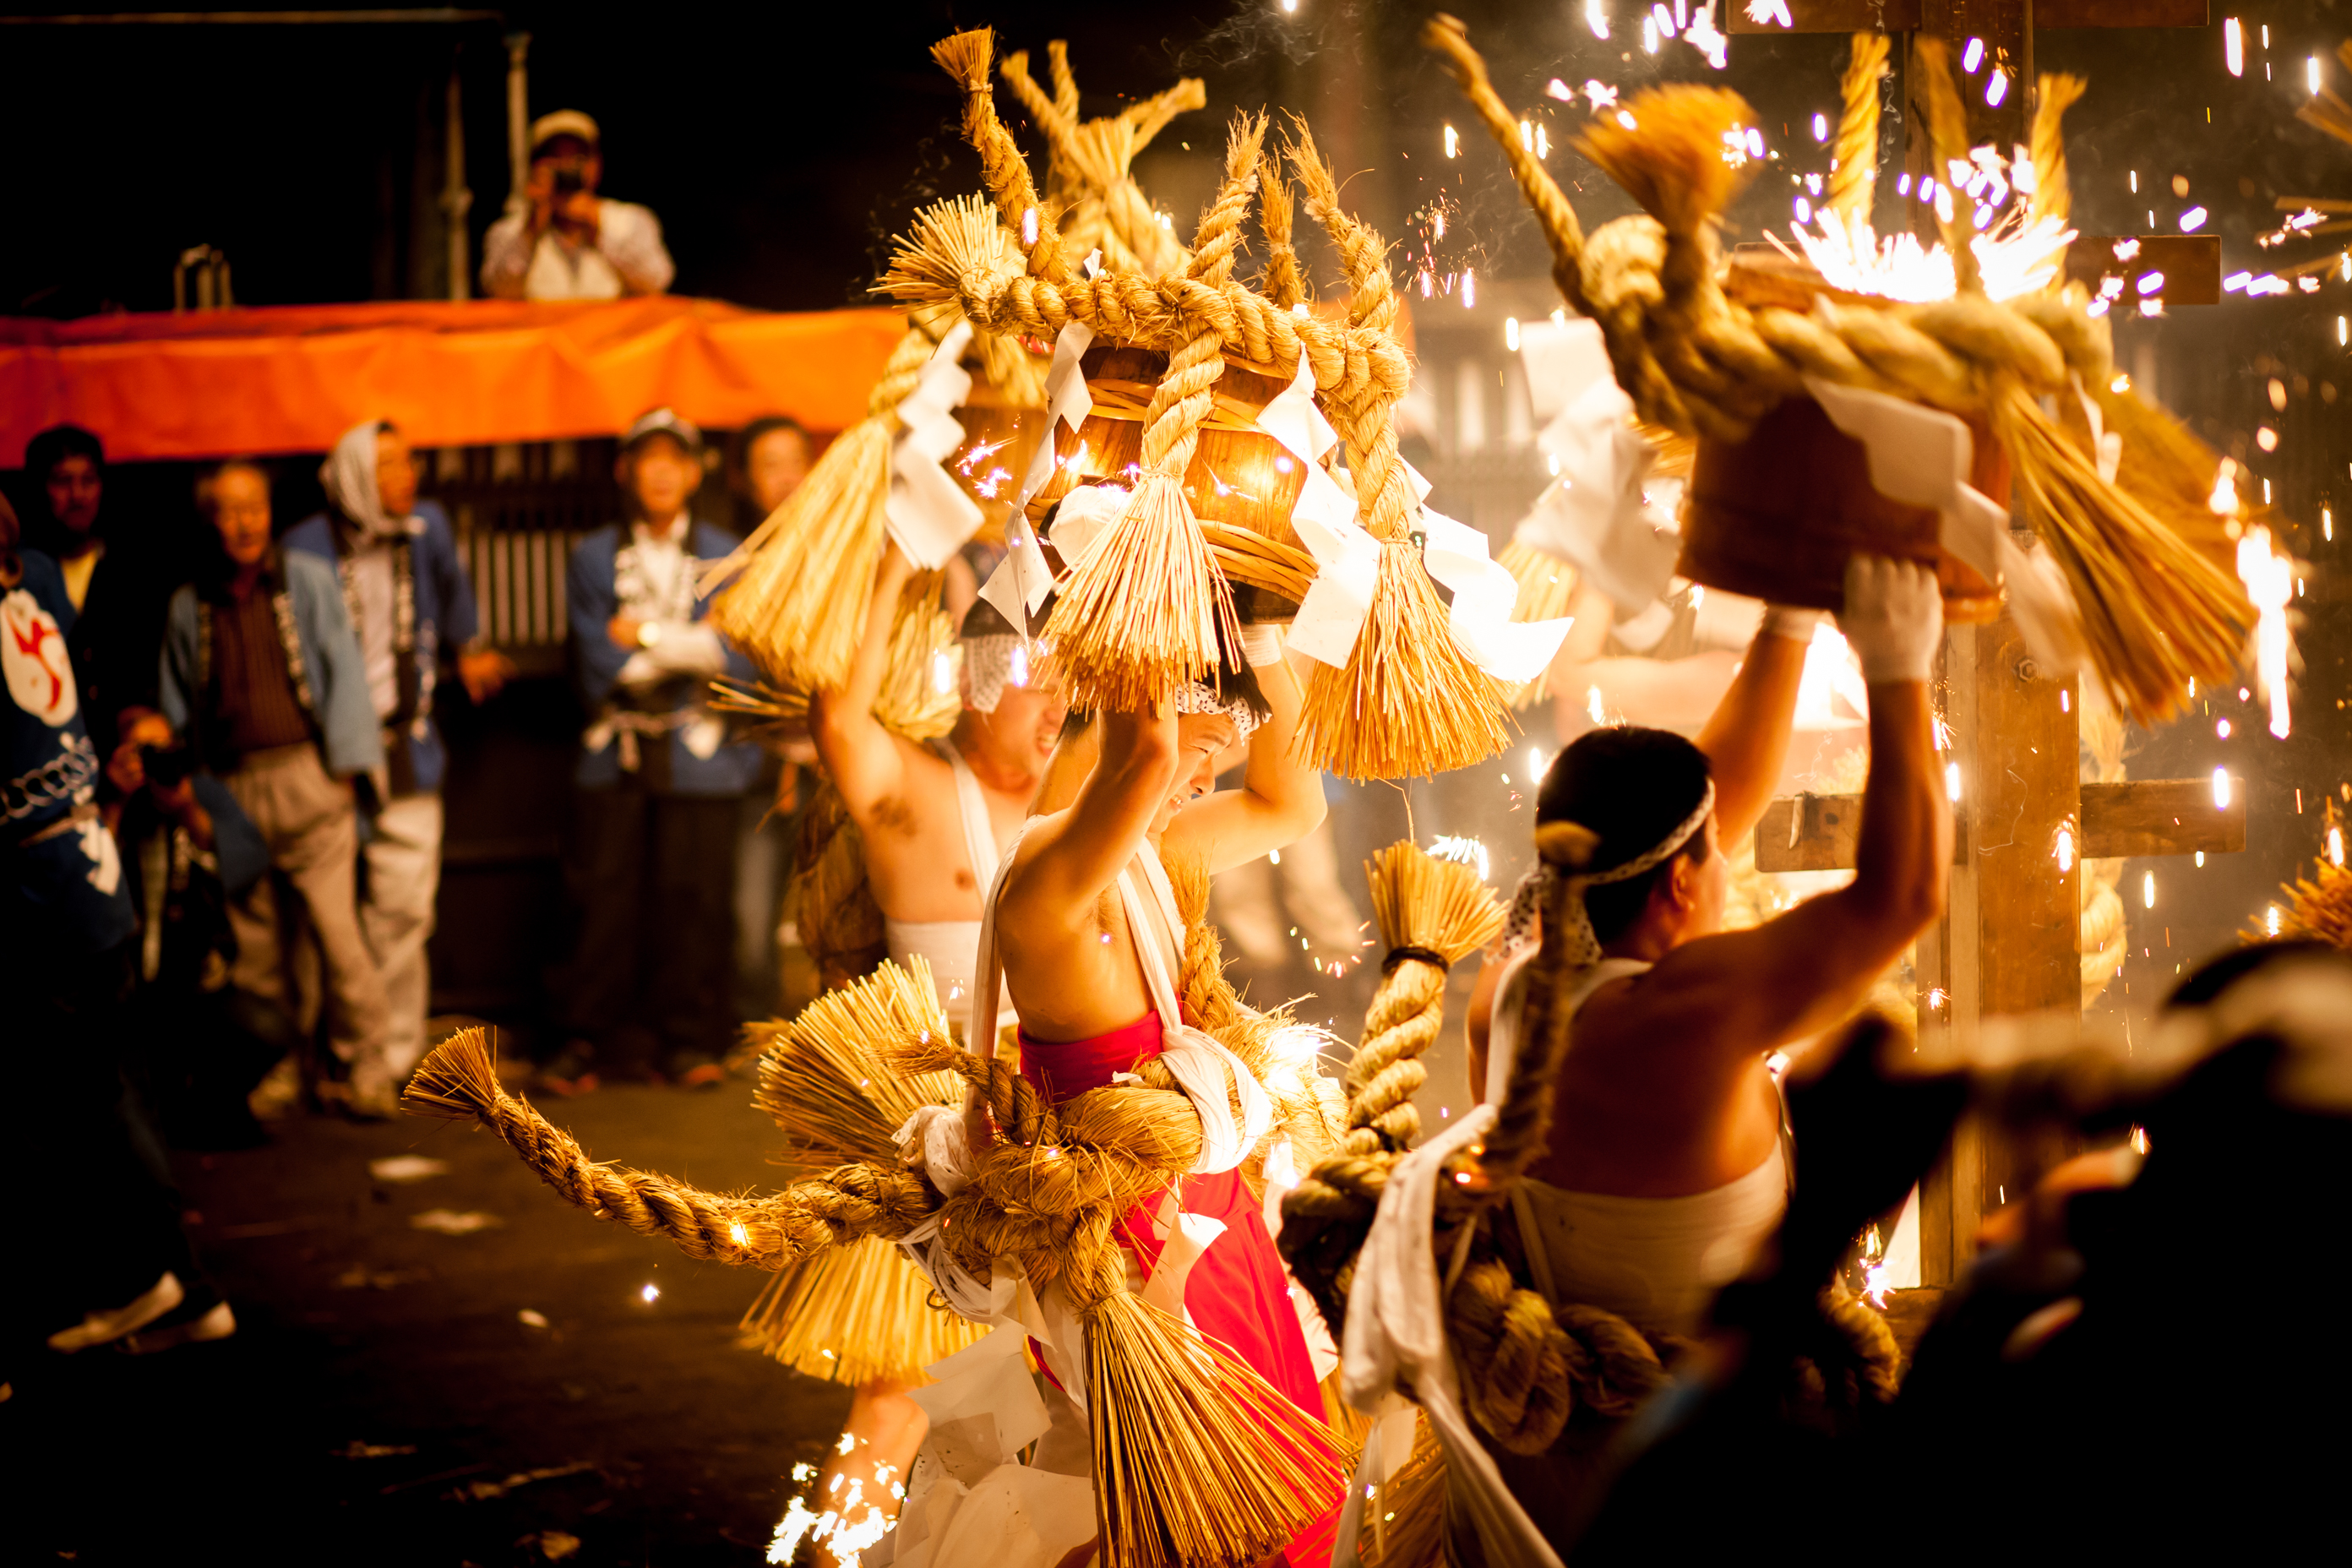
pixel 1665 1117
pixel 1087 929
pixel 934 823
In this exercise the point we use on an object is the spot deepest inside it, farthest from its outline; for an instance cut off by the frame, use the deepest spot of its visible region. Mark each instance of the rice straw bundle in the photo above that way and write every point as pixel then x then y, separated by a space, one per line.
pixel 1145 610
pixel 1405 1516
pixel 921 686
pixel 790 599
pixel 855 1314
pixel 1700 361
pixel 1410 700
pixel 2319 906
pixel 1432 913
pixel 2053 195
pixel 2156 612
pixel 1180 1424
pixel 825 1079
pixel 1360 371
pixel 1547 582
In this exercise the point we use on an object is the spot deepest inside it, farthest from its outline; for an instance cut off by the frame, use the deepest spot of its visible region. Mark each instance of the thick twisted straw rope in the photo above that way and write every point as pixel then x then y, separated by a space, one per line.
pixel 1696 360
pixel 1186 394
pixel 1948 134
pixel 1091 161
pixel 965 57
pixel 1854 172
pixel 458 1081
pixel 1284 282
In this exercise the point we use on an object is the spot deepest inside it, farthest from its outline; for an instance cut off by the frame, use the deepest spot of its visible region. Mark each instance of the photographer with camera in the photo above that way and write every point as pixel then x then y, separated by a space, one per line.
pixel 570 243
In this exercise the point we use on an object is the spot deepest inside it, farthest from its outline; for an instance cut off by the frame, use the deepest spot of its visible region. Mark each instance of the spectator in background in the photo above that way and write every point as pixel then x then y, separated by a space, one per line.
pixel 262 672
pixel 409 602
pixel 651 864
pixel 106 1261
pixel 571 243
pixel 775 454
pixel 118 597
pixel 772 457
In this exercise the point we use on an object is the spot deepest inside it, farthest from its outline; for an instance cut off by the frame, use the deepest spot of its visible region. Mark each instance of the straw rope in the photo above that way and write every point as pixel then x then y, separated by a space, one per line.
pixel 1697 362
pixel 2053 195
pixel 1853 168
pixel 458 1081
pixel 1090 163
pixel 1284 282
pixel 965 57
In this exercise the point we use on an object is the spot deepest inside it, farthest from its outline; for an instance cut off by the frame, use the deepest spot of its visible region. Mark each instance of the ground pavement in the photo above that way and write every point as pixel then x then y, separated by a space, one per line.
pixel 499 1391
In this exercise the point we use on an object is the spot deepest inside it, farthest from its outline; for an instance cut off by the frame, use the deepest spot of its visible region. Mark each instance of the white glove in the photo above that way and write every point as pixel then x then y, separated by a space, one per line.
pixel 1893 619
pixel 1788 621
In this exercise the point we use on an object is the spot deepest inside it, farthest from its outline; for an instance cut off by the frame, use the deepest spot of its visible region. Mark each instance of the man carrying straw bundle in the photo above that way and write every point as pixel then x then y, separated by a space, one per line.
pixel 932 822
pixel 1084 926
pixel 1665 1161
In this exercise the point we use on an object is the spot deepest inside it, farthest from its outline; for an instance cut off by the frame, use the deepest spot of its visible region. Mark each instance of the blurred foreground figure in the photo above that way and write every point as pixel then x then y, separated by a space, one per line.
pixel 112 1263
pixel 2139 1367
pixel 570 243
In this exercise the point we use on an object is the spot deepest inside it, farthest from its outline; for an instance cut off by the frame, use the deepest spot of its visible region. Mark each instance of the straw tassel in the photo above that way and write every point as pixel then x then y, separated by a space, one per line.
pixel 1409 700
pixel 789 599
pixel 1145 610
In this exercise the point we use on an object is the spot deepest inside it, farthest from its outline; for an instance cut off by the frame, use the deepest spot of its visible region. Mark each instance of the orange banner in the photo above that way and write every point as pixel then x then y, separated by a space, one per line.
pixel 292 378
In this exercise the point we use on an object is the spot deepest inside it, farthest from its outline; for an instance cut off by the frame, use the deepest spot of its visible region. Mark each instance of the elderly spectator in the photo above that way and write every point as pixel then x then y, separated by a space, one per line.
pixel 262 672
pixel 410 602
pixel 112 1264
pixel 652 862
pixel 571 243
pixel 118 595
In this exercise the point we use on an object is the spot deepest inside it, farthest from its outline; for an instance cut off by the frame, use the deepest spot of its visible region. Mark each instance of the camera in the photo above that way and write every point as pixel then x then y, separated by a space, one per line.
pixel 168 765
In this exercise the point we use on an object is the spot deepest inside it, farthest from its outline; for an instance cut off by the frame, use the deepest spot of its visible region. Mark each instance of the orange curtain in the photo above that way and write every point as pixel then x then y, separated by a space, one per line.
pixel 292 378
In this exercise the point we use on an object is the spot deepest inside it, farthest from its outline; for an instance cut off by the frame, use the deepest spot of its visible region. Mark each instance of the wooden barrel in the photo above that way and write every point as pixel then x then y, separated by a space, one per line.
pixel 1775 517
pixel 1240 477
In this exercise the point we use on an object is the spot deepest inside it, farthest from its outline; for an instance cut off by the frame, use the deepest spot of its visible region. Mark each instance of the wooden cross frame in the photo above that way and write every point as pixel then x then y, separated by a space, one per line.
pixel 2011 938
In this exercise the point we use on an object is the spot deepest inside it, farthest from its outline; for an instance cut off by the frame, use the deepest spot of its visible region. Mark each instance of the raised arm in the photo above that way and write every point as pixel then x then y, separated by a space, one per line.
pixel 1080 853
pixel 864 760
pixel 1281 797
pixel 1747 741
pixel 1744 992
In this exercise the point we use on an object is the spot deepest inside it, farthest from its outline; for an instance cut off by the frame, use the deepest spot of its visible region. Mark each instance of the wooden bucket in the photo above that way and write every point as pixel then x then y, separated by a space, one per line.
pixel 1242 482
pixel 1775 517
pixel 999 439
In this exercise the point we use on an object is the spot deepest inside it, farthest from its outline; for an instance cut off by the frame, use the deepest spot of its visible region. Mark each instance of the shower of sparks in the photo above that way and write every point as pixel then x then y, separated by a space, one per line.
pixel 1772 12
pixel 2233 47
pixel 2148 890
pixel 2270 583
pixel 2221 789
pixel 2270 920
pixel 1596 16
pixel 2012 257
pixel 1972 56
pixel 2193 220
pixel 1462 848
pixel 981 453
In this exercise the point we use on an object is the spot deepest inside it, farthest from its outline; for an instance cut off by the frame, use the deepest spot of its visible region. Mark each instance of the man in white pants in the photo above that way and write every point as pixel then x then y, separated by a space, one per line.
pixel 409 600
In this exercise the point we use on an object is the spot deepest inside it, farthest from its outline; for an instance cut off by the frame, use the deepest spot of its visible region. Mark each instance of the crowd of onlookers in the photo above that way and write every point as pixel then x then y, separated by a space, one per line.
pixel 224 820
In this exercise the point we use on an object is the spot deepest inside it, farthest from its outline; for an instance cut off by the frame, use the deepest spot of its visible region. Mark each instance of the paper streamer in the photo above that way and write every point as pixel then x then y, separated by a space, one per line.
pixel 1347 558
pixel 1596 516
pixel 1920 457
pixel 1484 592
pixel 928 513
pixel 1018 586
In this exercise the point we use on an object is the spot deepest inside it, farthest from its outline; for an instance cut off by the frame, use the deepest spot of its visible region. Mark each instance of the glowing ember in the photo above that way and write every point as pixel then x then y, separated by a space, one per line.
pixel 2270 583
pixel 650 1292
pixel 2013 257
pixel 2220 792
pixel 979 455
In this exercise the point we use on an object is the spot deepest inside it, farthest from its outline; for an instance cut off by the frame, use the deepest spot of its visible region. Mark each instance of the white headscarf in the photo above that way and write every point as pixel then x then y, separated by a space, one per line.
pixel 349 475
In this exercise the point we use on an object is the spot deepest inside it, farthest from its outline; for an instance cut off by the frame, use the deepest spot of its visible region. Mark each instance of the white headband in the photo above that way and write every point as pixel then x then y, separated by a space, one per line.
pixel 1195 697
pixel 993 661
pixel 1539 891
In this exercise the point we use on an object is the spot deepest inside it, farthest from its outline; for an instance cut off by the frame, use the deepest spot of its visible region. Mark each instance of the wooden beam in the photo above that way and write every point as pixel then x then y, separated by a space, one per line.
pixel 2139 816
pixel 2191 265
pixel 1903 15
